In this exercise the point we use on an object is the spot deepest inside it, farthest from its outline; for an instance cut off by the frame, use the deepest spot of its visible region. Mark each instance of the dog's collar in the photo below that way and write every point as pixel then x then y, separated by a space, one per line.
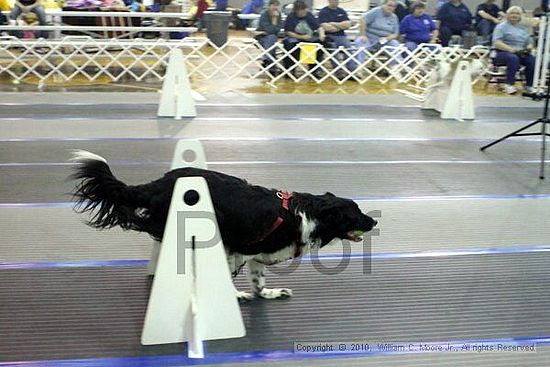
pixel 285 197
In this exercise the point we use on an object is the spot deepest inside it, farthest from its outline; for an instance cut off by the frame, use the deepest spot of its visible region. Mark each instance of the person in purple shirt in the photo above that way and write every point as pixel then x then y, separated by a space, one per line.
pixel 454 18
pixel 418 27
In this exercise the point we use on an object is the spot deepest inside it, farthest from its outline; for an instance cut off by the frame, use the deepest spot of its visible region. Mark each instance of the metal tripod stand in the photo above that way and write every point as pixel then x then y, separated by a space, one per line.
pixel 542 79
pixel 543 121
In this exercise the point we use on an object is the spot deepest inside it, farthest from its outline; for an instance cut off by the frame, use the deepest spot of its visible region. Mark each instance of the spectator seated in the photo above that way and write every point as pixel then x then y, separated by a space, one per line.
pixel 270 25
pixel 512 42
pixel 418 27
pixel 379 28
pixel 334 21
pixel 454 18
pixel 24 7
pixel 488 15
pixel 301 26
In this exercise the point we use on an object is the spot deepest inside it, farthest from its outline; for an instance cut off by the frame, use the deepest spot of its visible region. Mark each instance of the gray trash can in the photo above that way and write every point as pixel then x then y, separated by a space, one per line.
pixel 217 25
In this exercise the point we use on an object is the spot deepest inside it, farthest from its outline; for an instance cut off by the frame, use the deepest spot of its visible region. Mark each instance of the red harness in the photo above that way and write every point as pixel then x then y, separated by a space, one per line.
pixel 285 197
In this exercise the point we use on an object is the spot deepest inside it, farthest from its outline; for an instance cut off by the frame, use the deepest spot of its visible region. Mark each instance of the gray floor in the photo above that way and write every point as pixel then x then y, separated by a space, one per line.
pixel 58 234
pixel 451 197
pixel 59 315
pixel 287 112
pixel 541 358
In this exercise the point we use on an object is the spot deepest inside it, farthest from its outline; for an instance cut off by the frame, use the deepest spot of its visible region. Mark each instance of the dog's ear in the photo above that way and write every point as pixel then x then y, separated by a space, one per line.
pixel 329 194
pixel 330 222
pixel 332 211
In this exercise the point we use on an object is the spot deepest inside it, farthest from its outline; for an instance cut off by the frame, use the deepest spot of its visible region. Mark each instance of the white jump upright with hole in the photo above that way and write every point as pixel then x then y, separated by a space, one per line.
pixel 454 101
pixel 188 153
pixel 192 298
pixel 176 99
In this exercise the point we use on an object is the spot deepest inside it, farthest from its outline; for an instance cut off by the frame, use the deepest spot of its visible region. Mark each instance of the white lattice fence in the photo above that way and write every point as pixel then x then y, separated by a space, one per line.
pixel 140 59
pixel 383 65
pixel 237 58
pixel 423 59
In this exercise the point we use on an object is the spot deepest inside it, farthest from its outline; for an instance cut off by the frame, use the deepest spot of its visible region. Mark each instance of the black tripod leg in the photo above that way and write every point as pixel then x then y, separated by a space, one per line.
pixel 510 135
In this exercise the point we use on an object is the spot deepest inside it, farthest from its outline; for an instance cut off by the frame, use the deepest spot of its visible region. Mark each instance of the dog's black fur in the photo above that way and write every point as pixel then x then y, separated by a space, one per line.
pixel 245 213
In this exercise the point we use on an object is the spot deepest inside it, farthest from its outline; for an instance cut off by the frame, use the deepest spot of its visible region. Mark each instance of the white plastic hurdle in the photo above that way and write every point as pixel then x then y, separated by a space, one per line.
pixel 176 99
pixel 448 91
pixel 192 298
pixel 188 153
pixel 455 101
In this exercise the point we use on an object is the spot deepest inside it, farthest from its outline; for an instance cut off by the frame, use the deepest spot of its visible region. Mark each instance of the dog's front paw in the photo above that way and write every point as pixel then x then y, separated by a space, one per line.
pixel 244 296
pixel 274 293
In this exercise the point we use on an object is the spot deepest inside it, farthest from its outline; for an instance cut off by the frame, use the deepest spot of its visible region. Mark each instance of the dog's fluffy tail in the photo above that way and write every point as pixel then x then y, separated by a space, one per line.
pixel 109 201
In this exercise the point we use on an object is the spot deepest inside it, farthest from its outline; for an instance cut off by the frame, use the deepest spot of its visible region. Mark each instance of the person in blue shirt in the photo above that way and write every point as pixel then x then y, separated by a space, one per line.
pixel 379 28
pixel 512 41
pixel 334 20
pixel 301 26
pixel 418 27
pixel 269 27
pixel 454 18
pixel 439 4
pixel 488 15
pixel 252 7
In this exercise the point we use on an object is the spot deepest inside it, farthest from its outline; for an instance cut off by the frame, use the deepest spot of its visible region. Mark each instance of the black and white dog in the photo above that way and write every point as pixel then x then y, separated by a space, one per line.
pixel 258 226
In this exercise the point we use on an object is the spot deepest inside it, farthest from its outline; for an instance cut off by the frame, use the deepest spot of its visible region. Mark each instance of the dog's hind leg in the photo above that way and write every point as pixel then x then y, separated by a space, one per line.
pixel 256 275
